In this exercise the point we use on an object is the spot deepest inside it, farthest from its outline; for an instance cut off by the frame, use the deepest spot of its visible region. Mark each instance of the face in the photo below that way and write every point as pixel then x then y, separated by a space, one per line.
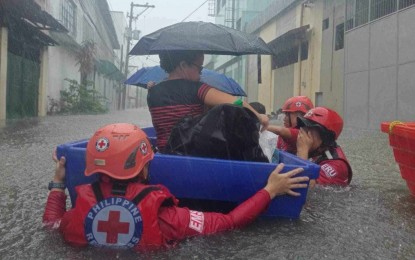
pixel 317 141
pixel 290 119
pixel 191 71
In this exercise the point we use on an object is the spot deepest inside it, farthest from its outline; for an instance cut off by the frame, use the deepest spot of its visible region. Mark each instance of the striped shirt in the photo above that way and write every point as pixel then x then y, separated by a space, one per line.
pixel 170 101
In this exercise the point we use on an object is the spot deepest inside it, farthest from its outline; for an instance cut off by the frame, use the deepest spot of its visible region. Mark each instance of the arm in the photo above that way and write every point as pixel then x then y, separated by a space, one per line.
pixel 282 131
pixel 216 97
pixel 56 203
pixel 178 223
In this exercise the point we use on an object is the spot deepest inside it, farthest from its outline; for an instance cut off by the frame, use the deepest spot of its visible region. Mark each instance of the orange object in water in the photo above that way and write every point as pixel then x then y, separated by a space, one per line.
pixel 402 140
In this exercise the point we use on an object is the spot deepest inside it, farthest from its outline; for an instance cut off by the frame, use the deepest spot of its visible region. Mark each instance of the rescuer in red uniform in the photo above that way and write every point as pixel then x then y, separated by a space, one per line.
pixel 287 135
pixel 319 129
pixel 121 211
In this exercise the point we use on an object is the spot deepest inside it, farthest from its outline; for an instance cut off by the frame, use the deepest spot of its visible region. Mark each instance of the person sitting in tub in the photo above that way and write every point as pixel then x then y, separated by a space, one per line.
pixel 319 129
pixel 122 211
pixel 182 94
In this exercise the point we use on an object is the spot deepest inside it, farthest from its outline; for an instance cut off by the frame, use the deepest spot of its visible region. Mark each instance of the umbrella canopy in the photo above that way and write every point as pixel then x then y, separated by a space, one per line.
pixel 200 36
pixel 210 77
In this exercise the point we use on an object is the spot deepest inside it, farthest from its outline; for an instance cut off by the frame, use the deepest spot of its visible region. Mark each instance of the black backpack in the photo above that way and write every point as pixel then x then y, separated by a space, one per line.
pixel 224 132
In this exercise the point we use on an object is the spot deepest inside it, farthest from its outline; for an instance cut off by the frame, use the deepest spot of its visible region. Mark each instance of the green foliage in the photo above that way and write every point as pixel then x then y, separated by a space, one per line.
pixel 86 59
pixel 81 99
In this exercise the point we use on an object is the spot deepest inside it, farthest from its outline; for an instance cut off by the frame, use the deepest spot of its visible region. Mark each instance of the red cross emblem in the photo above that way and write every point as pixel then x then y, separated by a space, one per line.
pixel 113 226
pixel 114 222
pixel 298 104
pixel 143 148
pixel 102 144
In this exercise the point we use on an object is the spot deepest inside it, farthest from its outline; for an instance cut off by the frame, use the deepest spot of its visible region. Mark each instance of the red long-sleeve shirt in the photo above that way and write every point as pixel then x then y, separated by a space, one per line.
pixel 176 223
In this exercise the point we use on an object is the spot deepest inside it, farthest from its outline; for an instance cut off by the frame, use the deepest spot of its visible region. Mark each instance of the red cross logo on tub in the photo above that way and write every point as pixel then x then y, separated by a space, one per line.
pixel 102 144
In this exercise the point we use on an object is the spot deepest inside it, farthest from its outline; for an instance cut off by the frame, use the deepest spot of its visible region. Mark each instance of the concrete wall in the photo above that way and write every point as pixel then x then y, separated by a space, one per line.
pixel 332 61
pixel 62 62
pixel 283 85
pixel 300 78
pixel 379 71
pixel 62 65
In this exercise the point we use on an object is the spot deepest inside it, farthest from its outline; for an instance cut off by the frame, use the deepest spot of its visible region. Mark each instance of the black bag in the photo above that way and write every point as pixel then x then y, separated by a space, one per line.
pixel 224 132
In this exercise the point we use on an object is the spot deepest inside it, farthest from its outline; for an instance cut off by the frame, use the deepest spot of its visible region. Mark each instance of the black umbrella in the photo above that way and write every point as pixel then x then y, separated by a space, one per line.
pixel 200 36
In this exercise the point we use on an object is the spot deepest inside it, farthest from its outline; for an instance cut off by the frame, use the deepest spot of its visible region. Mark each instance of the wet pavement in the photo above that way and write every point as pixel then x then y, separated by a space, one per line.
pixel 371 219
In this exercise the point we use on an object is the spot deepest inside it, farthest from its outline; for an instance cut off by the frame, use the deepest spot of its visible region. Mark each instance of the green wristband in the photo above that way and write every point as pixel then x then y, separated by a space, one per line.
pixel 238 102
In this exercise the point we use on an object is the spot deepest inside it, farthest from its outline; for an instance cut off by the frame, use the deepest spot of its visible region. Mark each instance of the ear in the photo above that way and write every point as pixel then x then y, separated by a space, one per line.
pixel 184 64
pixel 144 171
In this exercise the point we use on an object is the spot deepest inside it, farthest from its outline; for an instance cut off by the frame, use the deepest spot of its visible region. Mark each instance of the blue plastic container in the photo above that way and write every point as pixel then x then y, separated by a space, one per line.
pixel 203 178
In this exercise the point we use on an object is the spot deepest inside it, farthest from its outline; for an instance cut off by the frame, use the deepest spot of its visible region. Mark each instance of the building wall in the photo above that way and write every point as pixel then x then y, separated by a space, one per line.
pixel 265 89
pixel 332 60
pixel 299 78
pixel 379 71
pixel 236 14
pixel 62 62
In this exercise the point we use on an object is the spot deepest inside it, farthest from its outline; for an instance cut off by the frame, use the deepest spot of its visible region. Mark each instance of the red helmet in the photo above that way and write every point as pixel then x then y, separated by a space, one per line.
pixel 297 104
pixel 322 117
pixel 119 151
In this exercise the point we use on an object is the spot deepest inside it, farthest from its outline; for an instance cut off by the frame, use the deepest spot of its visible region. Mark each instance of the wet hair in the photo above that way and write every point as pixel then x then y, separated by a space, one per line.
pixel 171 59
pixel 260 108
pixel 328 137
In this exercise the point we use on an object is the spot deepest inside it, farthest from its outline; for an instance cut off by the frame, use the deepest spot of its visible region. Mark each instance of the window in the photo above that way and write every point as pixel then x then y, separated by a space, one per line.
pixel 381 8
pixel 325 24
pixel 405 3
pixel 357 11
pixel 362 12
pixel 69 16
pixel 339 43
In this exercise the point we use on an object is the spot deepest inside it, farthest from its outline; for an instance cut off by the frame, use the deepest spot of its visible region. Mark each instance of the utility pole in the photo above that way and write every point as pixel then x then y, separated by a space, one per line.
pixel 131 17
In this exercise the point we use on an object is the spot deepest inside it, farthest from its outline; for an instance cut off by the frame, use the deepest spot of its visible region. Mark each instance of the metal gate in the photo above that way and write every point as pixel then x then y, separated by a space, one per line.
pixel 22 86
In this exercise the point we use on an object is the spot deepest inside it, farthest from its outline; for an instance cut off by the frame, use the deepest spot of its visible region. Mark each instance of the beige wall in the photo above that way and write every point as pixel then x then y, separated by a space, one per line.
pixel 265 91
pixel 300 78
pixel 332 61
pixel 310 68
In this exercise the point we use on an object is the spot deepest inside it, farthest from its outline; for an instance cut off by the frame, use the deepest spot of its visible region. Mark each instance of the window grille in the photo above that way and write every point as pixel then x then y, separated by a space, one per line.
pixel 405 3
pixel 360 12
pixel 381 8
pixel 69 16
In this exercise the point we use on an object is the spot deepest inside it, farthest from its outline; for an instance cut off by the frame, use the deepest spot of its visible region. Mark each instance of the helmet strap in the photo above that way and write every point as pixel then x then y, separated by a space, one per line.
pixel 119 188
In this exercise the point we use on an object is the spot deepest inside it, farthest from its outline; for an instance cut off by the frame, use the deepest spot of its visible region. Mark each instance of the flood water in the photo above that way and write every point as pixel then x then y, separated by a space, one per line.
pixel 374 218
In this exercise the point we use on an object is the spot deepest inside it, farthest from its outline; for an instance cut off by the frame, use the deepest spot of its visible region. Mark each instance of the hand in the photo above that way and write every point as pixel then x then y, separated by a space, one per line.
pixel 283 183
pixel 60 168
pixel 264 120
pixel 150 84
pixel 305 141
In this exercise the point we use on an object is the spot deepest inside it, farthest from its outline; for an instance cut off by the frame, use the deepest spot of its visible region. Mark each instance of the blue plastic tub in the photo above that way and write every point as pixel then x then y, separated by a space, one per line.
pixel 203 178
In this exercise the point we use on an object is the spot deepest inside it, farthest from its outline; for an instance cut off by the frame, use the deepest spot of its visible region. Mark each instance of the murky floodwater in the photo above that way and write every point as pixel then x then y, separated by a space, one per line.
pixel 372 219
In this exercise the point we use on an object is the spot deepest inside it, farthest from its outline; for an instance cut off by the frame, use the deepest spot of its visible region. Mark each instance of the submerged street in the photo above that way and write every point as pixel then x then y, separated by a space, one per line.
pixel 371 219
